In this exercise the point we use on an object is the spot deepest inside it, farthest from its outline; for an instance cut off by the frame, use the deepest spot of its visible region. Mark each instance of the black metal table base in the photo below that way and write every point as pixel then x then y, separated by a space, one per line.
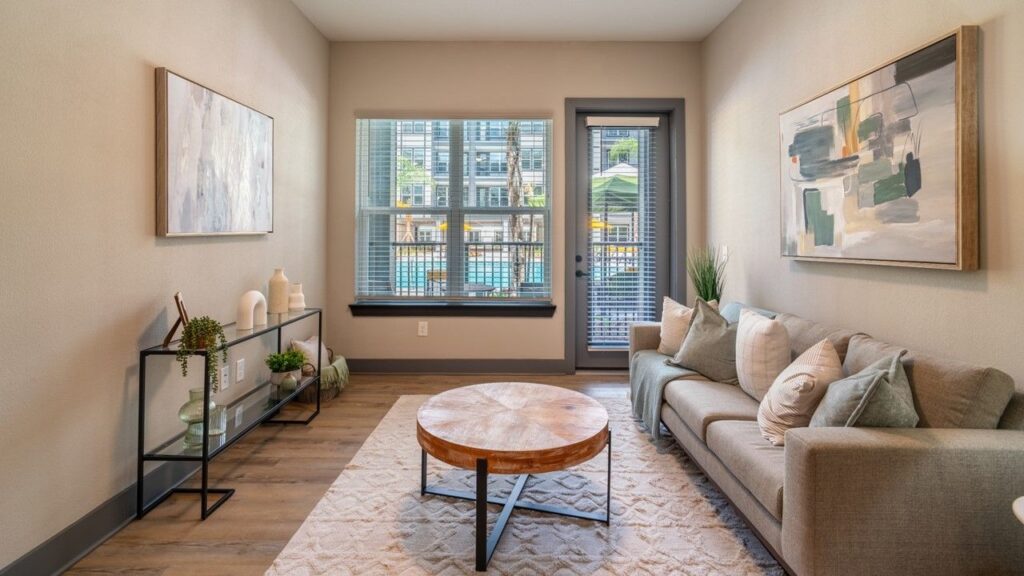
pixel 486 543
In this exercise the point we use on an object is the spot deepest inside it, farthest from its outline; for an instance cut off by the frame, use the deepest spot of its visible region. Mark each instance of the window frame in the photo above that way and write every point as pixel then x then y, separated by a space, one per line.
pixel 455 132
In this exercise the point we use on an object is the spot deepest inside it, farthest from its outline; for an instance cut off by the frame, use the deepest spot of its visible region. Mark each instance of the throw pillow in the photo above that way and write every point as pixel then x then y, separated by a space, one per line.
pixel 675 321
pixel 794 395
pixel 308 349
pixel 709 346
pixel 762 352
pixel 878 396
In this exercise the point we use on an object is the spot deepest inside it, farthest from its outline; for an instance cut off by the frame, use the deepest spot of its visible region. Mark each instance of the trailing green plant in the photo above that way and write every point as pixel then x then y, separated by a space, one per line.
pixel 285 361
pixel 706 268
pixel 204 333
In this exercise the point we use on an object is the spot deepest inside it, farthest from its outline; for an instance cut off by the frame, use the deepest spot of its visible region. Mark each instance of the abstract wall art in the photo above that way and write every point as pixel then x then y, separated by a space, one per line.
pixel 883 169
pixel 215 162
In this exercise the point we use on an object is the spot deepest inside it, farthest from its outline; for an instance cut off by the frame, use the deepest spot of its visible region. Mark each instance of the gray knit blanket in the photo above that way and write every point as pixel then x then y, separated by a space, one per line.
pixel 648 376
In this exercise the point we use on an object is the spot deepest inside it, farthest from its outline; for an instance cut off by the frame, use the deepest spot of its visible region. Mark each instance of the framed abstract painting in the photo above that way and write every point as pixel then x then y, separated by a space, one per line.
pixel 884 168
pixel 215 162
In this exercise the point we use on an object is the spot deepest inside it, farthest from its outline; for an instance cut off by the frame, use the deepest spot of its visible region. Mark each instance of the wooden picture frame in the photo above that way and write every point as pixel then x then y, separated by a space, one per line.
pixel 947 234
pixel 181 320
pixel 214 162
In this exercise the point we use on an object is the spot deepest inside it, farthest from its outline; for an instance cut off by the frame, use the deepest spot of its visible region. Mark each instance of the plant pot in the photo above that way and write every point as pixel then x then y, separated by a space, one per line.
pixel 284 383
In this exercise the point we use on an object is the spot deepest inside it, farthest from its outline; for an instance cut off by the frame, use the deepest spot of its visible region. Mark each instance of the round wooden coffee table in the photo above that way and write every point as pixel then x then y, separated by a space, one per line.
pixel 511 428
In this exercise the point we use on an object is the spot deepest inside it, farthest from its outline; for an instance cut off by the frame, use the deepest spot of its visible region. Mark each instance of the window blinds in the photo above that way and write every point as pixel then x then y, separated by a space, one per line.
pixel 621 251
pixel 453 209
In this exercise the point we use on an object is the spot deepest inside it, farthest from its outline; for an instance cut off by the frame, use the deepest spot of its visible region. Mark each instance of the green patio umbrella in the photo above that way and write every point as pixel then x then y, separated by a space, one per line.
pixel 617 193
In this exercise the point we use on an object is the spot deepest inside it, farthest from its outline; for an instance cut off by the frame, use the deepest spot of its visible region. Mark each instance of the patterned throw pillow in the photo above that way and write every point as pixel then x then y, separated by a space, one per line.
pixel 878 396
pixel 709 346
pixel 675 321
pixel 762 352
pixel 794 395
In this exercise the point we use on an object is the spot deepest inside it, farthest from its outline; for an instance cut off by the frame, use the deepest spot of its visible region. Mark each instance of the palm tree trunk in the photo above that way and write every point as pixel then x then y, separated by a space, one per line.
pixel 515 200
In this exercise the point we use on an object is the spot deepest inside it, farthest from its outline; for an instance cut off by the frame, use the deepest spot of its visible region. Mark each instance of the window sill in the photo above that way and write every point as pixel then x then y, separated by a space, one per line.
pixel 472 309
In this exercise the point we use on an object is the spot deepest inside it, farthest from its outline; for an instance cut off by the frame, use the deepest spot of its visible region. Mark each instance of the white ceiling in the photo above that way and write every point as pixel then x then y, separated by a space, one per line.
pixel 516 20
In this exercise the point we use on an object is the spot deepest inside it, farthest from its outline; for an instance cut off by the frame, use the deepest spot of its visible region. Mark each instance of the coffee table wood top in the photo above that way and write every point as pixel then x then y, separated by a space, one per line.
pixel 518 427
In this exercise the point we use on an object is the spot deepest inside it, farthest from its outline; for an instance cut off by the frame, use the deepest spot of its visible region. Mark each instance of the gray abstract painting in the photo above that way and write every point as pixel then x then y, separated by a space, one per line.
pixel 218 167
pixel 869 170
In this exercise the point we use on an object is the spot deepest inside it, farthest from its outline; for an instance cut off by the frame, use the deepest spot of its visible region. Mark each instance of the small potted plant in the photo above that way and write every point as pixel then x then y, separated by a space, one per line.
pixel 204 333
pixel 286 369
pixel 706 267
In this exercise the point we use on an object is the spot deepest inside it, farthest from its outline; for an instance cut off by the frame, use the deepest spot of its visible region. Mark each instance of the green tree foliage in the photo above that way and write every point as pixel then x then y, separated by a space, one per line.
pixel 624 150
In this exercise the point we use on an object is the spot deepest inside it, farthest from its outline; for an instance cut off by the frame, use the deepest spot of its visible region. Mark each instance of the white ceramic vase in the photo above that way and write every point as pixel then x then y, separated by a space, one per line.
pixel 277 303
pixel 252 310
pixel 296 299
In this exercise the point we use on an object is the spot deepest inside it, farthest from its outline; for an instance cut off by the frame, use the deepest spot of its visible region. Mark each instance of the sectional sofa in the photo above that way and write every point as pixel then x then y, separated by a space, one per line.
pixel 931 500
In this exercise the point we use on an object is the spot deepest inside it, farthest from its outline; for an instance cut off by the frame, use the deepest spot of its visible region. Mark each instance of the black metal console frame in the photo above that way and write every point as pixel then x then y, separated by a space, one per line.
pixel 486 543
pixel 205 455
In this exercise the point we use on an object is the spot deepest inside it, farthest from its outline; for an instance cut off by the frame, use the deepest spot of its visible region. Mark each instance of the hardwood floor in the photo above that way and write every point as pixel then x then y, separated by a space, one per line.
pixel 280 473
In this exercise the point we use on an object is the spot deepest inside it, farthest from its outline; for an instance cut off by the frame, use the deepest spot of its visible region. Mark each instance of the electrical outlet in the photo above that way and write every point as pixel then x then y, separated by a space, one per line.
pixel 240 370
pixel 225 377
pixel 422 328
pixel 238 415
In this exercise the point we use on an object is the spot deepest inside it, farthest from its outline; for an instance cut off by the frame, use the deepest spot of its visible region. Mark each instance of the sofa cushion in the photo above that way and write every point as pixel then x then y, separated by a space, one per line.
pixel 947 393
pixel 878 396
pixel 675 323
pixel 1013 417
pixel 731 311
pixel 795 394
pixel 762 352
pixel 805 333
pixel 759 466
pixel 701 402
pixel 710 345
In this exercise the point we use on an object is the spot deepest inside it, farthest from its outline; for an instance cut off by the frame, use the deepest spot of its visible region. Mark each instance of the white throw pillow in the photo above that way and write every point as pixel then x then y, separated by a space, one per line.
pixel 796 392
pixel 675 321
pixel 308 349
pixel 762 352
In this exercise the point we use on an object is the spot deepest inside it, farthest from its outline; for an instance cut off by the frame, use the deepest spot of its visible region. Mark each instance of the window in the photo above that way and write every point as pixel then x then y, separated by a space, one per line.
pixel 491 164
pixel 418 242
pixel 533 159
pixel 441 162
pixel 440 195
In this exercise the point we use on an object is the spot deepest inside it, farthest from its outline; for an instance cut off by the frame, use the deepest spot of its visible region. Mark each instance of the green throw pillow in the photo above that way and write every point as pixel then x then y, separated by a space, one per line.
pixel 878 396
pixel 709 346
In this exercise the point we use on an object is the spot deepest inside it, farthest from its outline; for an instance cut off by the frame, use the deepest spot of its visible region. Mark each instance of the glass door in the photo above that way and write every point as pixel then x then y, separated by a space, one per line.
pixel 621 232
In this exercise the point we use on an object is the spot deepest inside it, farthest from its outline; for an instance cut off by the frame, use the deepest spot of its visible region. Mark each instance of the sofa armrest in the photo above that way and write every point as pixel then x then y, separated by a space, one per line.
pixel 902 501
pixel 644 336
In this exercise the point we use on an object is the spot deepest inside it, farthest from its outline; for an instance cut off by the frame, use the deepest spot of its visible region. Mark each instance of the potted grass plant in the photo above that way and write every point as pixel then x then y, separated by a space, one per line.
pixel 706 268
pixel 285 371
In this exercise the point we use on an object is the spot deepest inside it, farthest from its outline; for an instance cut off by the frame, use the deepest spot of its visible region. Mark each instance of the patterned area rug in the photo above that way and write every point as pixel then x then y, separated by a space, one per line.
pixel 667 518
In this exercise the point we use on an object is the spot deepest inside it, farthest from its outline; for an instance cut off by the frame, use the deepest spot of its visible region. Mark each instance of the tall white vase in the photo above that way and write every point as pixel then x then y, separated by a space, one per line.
pixel 277 303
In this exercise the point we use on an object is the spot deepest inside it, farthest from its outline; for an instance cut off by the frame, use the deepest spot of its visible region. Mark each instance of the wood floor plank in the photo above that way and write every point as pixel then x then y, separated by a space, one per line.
pixel 279 474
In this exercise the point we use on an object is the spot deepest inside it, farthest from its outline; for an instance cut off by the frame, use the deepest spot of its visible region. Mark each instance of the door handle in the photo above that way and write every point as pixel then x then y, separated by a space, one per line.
pixel 581 273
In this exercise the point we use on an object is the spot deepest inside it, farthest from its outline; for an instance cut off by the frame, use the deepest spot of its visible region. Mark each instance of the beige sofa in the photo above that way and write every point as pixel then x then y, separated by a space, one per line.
pixel 930 500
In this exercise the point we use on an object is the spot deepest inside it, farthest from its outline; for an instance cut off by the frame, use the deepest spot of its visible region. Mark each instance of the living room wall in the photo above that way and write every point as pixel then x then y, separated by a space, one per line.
pixel 769 56
pixel 466 78
pixel 86 281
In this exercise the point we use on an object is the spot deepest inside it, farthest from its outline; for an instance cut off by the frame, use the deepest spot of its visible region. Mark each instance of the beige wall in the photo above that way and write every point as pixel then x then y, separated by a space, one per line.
pixel 486 79
pixel 85 280
pixel 767 57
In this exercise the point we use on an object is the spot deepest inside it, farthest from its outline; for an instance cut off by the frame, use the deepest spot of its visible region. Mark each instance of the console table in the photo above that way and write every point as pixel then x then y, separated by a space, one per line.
pixel 256 409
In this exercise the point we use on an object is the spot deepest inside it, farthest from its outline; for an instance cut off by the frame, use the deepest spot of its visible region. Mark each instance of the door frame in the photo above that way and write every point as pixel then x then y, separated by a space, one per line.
pixel 675 109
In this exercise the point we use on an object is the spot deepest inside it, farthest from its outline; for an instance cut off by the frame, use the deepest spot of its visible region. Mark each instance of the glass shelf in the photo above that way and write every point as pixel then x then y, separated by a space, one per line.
pixel 236 336
pixel 256 407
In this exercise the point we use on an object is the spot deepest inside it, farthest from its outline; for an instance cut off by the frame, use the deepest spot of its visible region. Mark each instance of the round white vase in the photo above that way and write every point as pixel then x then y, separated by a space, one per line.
pixel 277 303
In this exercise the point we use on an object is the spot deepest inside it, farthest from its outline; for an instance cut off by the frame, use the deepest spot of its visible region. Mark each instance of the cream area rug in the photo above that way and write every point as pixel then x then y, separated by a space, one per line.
pixel 667 518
